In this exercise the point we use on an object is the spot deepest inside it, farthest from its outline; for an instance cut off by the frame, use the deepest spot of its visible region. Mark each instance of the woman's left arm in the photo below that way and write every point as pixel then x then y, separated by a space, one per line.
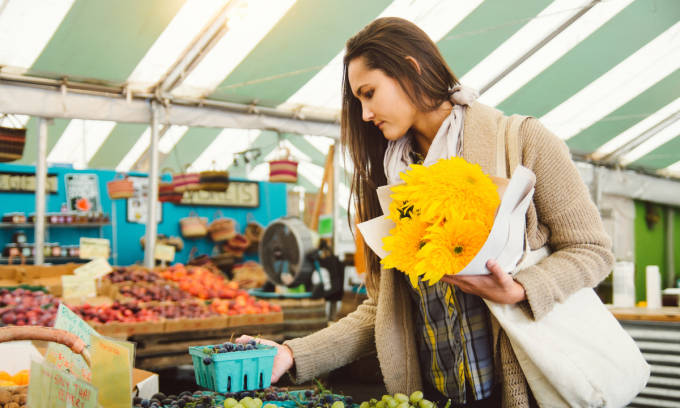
pixel 581 248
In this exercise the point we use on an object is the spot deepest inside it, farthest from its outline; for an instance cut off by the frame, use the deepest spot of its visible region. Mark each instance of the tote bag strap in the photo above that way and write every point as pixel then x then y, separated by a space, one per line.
pixel 512 147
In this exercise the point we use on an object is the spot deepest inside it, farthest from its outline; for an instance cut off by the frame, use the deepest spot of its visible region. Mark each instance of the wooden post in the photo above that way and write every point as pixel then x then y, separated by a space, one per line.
pixel 327 175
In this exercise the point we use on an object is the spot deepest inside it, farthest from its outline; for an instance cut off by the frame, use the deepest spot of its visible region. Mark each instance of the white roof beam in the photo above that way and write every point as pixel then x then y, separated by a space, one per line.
pixel 651 141
pixel 52 103
pixel 176 40
pixel 210 35
pixel 636 130
pixel 666 125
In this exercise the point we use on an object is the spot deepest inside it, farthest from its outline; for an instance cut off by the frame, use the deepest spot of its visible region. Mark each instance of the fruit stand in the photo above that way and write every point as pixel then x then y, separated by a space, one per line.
pixel 162 310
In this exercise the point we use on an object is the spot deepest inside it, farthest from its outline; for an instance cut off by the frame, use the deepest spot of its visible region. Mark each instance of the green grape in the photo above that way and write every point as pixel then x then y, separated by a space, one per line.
pixel 230 402
pixel 392 403
pixel 270 406
pixel 416 396
pixel 239 405
pixel 386 398
pixel 401 397
pixel 381 404
pixel 425 404
pixel 365 404
pixel 373 402
pixel 257 403
pixel 338 404
pixel 403 405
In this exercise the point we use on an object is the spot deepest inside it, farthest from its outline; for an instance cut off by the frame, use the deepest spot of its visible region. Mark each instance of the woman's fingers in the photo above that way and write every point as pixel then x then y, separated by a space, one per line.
pixel 283 360
pixel 244 339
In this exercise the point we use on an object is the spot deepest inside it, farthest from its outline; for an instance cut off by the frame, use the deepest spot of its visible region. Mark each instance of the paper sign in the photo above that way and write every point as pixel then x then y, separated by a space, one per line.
pixel 91 248
pixel 112 372
pixel 50 387
pixel 164 252
pixel 78 286
pixel 95 269
pixel 62 356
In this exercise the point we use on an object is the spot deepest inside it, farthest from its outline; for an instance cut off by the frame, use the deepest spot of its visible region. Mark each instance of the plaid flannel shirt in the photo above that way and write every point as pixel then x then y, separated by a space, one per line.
pixel 454 340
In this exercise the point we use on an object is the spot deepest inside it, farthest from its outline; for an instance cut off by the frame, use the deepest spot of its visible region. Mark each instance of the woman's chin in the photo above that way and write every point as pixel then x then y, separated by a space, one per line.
pixel 392 136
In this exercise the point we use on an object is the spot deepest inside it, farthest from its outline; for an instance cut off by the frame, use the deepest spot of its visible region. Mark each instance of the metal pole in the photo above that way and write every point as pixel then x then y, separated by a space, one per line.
pixel 40 196
pixel 114 232
pixel 151 225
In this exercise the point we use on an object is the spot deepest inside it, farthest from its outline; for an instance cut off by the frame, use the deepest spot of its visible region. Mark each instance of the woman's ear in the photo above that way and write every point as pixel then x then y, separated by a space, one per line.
pixel 413 62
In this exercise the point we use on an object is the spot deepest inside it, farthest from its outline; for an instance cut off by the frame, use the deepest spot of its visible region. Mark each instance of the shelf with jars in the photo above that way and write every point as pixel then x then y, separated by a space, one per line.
pixel 19 250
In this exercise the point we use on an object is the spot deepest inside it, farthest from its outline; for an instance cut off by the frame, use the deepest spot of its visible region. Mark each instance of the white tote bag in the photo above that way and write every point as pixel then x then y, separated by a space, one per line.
pixel 577 355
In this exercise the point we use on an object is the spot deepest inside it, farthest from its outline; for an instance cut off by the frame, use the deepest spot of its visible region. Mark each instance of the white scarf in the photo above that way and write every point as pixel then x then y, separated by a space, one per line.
pixel 448 142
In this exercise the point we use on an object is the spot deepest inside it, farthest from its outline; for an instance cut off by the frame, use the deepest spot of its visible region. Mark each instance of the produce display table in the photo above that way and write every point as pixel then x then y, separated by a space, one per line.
pixel 663 314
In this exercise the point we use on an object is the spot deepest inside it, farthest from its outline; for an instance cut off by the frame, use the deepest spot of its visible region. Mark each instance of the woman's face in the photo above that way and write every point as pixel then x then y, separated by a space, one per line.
pixel 383 100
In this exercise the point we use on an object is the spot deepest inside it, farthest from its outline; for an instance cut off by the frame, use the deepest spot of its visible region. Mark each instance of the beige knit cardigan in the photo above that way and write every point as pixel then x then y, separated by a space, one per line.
pixel 562 215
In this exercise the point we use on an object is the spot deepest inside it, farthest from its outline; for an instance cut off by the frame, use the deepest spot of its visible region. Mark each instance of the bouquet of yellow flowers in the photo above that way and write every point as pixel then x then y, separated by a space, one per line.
pixel 443 215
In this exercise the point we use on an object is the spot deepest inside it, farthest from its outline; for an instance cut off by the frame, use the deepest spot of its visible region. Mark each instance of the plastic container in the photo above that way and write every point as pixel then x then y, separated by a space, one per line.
pixel 235 371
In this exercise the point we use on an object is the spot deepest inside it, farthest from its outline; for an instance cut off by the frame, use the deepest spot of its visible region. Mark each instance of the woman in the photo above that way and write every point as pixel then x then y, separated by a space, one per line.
pixel 401 102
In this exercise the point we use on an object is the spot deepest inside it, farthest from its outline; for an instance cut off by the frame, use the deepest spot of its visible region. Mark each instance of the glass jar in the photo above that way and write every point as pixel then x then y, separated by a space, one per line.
pixel 25 250
pixel 19 237
pixel 9 250
pixel 56 250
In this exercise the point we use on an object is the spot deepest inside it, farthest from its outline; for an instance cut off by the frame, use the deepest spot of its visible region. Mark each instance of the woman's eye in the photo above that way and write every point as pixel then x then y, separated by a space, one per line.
pixel 369 94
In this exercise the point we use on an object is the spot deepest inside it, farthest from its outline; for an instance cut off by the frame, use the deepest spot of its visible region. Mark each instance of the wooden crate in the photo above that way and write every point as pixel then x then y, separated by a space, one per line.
pixel 205 323
pixel 8 276
pixel 255 319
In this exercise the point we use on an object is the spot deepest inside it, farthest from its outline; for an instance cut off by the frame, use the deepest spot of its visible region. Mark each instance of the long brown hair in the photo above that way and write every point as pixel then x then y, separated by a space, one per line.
pixel 384 44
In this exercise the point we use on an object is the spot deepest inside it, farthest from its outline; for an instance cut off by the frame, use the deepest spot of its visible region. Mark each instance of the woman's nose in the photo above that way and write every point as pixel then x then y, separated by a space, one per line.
pixel 367 114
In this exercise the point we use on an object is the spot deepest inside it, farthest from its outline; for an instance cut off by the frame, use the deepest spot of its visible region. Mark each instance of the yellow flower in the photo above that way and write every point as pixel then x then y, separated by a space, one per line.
pixel 449 248
pixel 403 244
pixel 448 188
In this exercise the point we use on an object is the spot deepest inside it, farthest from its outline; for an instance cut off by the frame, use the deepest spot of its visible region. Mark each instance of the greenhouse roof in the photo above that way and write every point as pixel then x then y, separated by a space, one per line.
pixel 603 75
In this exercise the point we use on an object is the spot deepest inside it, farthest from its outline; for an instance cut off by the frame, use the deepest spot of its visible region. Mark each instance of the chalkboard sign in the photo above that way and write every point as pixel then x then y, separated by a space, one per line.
pixel 82 192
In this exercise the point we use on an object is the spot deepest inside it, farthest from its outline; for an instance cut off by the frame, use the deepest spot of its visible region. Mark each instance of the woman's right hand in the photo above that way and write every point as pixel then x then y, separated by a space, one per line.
pixel 283 361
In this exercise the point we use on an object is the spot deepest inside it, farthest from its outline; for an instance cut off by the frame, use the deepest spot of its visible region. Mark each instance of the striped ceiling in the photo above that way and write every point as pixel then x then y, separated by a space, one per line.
pixel 603 75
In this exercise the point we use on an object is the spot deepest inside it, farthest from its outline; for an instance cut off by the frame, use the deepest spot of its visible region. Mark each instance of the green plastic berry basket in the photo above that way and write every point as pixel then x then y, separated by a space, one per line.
pixel 235 371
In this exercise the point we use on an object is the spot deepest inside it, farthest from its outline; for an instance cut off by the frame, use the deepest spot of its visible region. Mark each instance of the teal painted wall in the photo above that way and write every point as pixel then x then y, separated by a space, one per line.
pixel 272 206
